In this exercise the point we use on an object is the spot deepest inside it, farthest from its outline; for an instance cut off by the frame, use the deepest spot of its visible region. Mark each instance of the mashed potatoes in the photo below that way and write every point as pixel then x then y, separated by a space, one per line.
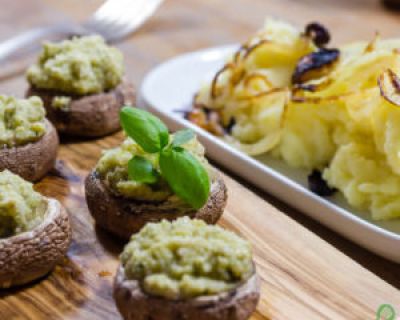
pixel 366 180
pixel 338 120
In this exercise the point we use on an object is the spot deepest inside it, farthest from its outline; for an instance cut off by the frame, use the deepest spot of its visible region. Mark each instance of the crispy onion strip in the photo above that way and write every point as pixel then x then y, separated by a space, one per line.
pixel 261 146
pixel 389 86
pixel 256 76
pixel 261 94
pixel 214 83
pixel 254 47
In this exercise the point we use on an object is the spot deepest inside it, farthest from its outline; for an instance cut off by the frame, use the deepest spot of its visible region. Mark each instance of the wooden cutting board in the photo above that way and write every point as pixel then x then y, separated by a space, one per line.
pixel 303 277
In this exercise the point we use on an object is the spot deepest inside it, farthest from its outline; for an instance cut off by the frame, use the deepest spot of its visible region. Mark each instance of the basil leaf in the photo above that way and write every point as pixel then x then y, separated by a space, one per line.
pixel 186 176
pixel 147 130
pixel 182 136
pixel 142 170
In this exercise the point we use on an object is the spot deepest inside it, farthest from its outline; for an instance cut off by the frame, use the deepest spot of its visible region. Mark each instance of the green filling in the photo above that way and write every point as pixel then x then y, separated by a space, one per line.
pixel 113 169
pixel 21 120
pixel 21 208
pixel 80 66
pixel 187 258
pixel 61 102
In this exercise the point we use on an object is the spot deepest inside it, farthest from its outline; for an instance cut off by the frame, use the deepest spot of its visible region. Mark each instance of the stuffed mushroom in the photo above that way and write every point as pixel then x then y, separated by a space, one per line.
pixel 186 269
pixel 34 232
pixel 153 175
pixel 28 141
pixel 81 83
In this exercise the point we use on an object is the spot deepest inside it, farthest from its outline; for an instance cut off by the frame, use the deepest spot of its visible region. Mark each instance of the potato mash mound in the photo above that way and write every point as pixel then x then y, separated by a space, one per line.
pixel 286 92
pixel 365 179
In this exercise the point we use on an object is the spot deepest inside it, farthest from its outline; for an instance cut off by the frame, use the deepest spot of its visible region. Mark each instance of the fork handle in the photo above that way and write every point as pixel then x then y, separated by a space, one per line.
pixel 31 40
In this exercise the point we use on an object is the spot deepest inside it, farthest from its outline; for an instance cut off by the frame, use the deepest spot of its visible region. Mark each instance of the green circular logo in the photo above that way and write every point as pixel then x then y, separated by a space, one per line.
pixel 386 312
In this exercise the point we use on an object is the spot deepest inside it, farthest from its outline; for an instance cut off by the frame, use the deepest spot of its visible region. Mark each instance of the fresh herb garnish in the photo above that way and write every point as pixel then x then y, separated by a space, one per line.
pixel 182 136
pixel 185 175
pixel 147 130
pixel 183 172
pixel 141 170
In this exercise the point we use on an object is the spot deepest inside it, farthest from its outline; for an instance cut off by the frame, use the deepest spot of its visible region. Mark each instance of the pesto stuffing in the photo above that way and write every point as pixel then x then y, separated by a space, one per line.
pixel 113 169
pixel 81 66
pixel 61 102
pixel 21 120
pixel 187 258
pixel 21 208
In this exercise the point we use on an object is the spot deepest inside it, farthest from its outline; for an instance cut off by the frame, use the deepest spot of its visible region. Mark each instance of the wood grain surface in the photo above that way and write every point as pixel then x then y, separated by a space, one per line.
pixel 303 276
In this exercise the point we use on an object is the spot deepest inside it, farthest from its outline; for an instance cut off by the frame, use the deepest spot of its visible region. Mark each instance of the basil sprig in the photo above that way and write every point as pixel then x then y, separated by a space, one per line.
pixel 141 170
pixel 185 175
pixel 183 172
pixel 182 136
pixel 147 130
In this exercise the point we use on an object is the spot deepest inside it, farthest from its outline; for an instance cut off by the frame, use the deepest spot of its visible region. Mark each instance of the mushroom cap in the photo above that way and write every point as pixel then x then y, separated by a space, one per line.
pixel 30 255
pixel 33 160
pixel 135 304
pixel 93 115
pixel 123 217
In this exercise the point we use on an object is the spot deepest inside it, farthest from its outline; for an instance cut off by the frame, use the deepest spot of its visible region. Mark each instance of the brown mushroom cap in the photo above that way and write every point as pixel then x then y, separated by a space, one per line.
pixel 87 116
pixel 123 217
pixel 32 254
pixel 135 304
pixel 32 161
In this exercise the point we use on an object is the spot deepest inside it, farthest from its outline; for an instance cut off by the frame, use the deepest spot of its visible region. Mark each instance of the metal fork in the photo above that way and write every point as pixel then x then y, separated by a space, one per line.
pixel 114 20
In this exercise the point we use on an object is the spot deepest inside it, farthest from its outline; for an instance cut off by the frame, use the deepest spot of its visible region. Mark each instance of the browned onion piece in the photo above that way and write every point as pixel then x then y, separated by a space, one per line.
pixel 312 87
pixel 255 47
pixel 318 33
pixel 237 77
pixel 261 94
pixel 198 117
pixel 315 65
pixel 206 119
pixel 389 85
pixel 305 87
pixel 302 99
pixel 372 44
pixel 257 76
pixel 214 93
pixel 238 53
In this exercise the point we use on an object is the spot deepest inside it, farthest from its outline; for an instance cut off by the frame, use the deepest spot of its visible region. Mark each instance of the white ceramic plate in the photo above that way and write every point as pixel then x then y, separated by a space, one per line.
pixel 169 89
